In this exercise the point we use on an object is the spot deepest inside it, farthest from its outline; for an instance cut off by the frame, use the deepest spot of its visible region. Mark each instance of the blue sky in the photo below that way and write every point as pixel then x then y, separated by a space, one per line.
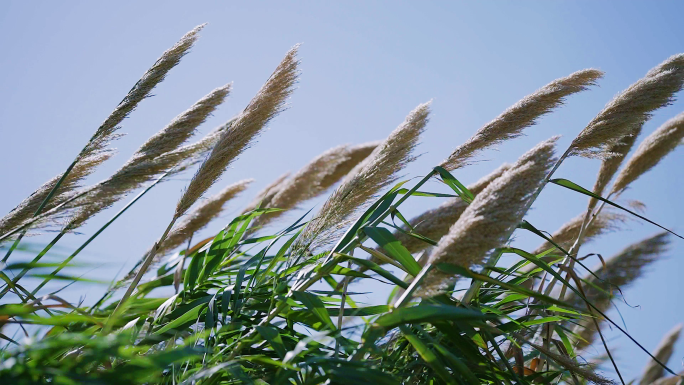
pixel 365 65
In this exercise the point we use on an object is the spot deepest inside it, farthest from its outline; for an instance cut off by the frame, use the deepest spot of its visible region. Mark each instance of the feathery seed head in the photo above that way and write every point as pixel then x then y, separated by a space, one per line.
pixel 521 115
pixel 379 170
pixel 183 126
pixel 491 218
pixel 269 102
pixel 25 210
pixel 626 113
pixel 153 76
pixel 568 232
pixel 96 150
pixel 654 148
pixel 435 223
pixel 353 159
pixel 264 197
pixel 674 62
pixel 315 178
pixel 160 153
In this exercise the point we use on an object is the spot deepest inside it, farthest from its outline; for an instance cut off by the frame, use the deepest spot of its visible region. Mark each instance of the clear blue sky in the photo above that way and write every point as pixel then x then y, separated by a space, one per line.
pixel 65 66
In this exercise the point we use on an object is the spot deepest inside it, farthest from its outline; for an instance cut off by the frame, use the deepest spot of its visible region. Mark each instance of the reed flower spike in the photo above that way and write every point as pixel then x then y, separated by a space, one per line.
pixel 651 151
pixel 623 116
pixel 521 115
pixel 158 154
pixel 195 221
pixel 269 102
pixel 379 170
pixel 435 223
pixel 96 150
pixel 314 179
pixel 490 219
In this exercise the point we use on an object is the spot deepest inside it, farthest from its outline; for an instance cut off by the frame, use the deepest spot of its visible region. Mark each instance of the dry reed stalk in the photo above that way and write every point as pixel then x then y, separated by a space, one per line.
pixel 158 154
pixel 195 221
pixel 96 150
pixel 663 352
pixel 269 102
pixel 435 223
pixel 620 271
pixel 361 185
pixel 490 219
pixel 624 115
pixel 521 115
pixel 654 148
pixel 314 179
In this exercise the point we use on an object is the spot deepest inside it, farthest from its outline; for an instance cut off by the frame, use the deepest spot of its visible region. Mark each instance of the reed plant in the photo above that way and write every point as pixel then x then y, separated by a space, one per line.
pixel 250 305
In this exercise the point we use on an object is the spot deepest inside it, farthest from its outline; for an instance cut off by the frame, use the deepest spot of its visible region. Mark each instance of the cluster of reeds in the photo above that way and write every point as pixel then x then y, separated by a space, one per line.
pixel 247 306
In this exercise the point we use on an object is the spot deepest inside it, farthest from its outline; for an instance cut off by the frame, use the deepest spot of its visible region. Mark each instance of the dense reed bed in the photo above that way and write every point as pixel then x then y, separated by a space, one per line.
pixel 252 305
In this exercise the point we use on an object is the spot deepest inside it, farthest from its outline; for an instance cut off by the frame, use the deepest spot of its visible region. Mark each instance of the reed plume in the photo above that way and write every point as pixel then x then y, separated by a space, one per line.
pixel 435 223
pixel 315 178
pixel 159 153
pixel 674 62
pixel 625 114
pixel 195 221
pixel 653 371
pixel 24 212
pixel 378 171
pixel 269 102
pixel 490 219
pixel 620 271
pixel 264 197
pixel 96 150
pixel 610 165
pixel 521 115
pixel 354 159
pixel 654 148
